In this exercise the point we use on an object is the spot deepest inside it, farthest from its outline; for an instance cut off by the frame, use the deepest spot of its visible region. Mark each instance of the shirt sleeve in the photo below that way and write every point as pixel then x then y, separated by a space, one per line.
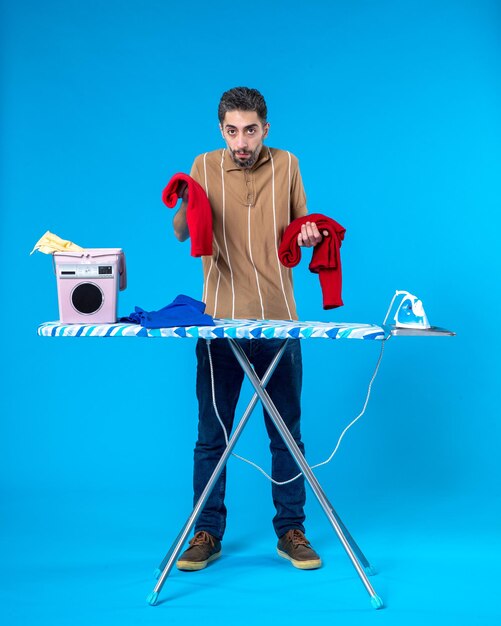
pixel 298 196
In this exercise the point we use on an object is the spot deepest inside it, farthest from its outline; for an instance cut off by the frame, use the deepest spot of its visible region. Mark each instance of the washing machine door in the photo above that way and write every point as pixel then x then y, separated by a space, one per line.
pixel 87 298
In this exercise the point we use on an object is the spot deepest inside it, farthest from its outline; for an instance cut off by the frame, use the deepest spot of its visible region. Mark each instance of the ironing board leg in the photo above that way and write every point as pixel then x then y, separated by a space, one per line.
pixel 369 569
pixel 173 553
pixel 288 439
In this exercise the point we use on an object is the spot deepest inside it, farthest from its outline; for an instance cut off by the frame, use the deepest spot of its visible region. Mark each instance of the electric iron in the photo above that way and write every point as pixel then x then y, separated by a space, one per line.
pixel 408 311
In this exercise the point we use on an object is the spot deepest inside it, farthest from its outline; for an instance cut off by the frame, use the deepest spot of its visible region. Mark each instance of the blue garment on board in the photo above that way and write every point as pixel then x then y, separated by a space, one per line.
pixel 183 311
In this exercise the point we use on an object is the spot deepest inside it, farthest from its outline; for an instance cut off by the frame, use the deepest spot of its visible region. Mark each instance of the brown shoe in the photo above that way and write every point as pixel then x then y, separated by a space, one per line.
pixel 203 549
pixel 294 547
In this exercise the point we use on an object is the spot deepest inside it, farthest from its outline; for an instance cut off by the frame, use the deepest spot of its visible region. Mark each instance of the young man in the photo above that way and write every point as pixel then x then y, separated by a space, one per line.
pixel 254 192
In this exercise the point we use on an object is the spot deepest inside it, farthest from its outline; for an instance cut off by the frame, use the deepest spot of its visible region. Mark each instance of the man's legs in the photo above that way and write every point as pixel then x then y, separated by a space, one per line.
pixel 284 388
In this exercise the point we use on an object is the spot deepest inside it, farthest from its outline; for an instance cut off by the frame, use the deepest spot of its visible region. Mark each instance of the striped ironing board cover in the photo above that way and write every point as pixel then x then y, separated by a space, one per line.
pixel 223 329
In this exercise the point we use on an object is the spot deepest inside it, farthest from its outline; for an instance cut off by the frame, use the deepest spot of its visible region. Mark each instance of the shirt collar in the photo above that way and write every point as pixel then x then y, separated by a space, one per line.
pixel 229 164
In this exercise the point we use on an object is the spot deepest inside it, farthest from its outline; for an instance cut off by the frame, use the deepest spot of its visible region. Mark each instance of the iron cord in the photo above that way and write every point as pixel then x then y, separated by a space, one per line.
pixel 329 459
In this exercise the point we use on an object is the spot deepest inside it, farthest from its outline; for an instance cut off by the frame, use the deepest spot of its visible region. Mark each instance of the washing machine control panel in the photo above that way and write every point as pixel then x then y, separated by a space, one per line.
pixel 85 271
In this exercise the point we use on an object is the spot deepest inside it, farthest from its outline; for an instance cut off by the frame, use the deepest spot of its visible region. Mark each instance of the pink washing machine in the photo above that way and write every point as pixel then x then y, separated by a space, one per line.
pixel 88 283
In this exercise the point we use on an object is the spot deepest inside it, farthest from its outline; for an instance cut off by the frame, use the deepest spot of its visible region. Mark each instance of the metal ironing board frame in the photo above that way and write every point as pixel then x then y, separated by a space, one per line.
pixel 358 559
pixel 233 330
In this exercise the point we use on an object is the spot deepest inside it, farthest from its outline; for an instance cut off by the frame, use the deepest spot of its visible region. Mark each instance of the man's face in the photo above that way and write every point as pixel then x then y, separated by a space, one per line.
pixel 243 133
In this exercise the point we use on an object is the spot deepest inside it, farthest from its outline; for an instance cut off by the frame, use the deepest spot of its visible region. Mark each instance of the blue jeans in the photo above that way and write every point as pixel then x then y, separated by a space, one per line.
pixel 284 388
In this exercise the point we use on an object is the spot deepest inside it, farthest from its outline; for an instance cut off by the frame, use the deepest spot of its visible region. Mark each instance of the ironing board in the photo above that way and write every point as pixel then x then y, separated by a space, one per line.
pixel 232 330
pixel 222 329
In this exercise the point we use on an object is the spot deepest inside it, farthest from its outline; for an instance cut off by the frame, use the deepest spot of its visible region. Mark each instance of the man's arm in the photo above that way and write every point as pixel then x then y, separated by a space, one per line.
pixel 309 235
pixel 179 222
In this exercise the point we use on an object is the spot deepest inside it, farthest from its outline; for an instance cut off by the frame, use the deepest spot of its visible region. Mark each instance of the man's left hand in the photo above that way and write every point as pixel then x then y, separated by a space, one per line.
pixel 310 235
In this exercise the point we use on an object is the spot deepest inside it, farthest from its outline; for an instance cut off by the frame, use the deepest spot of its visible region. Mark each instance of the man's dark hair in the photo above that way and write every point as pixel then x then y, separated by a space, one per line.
pixel 242 99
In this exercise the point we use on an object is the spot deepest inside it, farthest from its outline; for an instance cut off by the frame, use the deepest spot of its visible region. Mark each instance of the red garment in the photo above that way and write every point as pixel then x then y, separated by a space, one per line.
pixel 198 212
pixel 326 258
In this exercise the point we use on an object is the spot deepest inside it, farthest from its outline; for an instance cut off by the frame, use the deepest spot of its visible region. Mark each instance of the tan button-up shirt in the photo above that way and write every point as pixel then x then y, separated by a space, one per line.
pixel 251 208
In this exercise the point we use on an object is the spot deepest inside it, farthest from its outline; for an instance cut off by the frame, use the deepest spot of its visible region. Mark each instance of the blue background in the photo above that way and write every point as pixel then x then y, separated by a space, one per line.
pixel 393 109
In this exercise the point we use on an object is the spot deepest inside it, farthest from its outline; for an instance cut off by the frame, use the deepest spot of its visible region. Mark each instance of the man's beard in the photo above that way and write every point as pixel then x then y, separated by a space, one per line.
pixel 249 160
